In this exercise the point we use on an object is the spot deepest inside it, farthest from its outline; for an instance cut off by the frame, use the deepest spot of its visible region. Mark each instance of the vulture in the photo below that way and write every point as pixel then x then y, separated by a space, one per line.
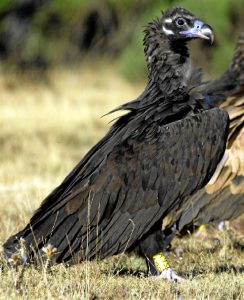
pixel 164 148
pixel 223 197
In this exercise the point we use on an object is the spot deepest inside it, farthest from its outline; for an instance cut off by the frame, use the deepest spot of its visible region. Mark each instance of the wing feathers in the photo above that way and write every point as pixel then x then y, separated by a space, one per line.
pixel 115 196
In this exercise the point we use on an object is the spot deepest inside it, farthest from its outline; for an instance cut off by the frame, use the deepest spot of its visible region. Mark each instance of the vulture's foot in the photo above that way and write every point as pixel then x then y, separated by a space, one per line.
pixel 170 275
pixel 162 266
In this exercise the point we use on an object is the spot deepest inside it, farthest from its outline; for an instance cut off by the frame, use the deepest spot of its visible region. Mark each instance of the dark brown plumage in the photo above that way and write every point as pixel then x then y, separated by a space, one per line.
pixel 152 159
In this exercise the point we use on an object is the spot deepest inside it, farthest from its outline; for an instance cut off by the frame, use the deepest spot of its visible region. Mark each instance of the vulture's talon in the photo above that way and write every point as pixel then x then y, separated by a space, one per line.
pixel 170 275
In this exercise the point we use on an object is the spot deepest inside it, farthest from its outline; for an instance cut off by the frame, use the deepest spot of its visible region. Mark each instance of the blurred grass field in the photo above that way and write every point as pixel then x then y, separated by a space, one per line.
pixel 46 126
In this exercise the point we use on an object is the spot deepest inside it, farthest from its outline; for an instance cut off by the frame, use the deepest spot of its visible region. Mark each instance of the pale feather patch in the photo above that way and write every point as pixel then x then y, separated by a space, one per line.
pixel 167 31
pixel 219 168
pixel 169 20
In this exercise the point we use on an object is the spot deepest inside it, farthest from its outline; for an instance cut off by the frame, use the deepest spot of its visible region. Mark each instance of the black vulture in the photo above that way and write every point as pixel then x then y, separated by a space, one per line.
pixel 223 197
pixel 165 148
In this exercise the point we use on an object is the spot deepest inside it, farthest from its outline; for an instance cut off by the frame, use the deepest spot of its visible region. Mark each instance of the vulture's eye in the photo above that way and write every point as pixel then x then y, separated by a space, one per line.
pixel 180 21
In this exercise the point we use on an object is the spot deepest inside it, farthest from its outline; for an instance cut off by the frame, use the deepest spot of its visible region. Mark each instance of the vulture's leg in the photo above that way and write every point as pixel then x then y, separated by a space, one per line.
pixel 151 247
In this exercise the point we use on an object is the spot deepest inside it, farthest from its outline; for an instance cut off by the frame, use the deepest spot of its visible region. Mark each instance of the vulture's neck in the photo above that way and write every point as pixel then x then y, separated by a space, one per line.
pixel 171 77
pixel 169 66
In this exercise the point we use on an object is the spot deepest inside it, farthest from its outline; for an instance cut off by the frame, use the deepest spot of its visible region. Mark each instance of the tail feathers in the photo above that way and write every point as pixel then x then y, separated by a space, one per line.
pixel 56 230
pixel 69 239
pixel 72 241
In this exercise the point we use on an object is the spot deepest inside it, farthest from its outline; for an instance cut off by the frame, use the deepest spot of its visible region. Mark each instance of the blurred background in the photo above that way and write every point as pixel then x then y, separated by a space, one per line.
pixel 41 34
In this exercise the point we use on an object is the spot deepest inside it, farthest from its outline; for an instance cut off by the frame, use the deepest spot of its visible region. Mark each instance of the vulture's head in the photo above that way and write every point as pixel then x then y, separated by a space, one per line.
pixel 172 30
pixel 178 23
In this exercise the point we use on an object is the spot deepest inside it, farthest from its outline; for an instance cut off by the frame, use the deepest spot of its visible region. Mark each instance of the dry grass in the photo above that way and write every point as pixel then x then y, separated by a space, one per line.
pixel 45 129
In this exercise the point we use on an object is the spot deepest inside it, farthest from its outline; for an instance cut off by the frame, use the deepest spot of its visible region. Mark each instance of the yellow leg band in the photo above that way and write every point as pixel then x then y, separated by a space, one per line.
pixel 202 228
pixel 160 262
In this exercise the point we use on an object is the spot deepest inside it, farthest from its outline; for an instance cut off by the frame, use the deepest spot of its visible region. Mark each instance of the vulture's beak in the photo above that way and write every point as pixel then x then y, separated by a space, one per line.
pixel 199 30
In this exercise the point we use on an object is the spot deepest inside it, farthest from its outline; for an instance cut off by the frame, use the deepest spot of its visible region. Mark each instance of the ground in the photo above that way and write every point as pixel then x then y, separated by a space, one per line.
pixel 47 125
